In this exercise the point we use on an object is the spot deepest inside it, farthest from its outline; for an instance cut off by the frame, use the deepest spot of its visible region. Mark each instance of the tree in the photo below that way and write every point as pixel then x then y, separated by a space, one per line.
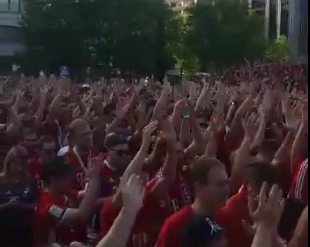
pixel 132 35
pixel 59 32
pixel 279 49
pixel 136 35
pixel 223 33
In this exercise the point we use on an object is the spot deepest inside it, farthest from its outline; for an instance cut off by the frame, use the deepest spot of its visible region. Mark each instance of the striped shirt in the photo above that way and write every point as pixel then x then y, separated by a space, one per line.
pixel 299 189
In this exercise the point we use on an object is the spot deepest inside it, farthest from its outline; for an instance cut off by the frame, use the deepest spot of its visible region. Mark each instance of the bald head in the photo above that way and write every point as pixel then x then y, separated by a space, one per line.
pixel 77 123
pixel 80 134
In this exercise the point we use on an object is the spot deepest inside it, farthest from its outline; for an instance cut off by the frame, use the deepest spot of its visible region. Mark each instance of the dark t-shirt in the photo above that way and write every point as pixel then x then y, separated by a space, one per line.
pixel 292 211
pixel 18 193
pixel 16 214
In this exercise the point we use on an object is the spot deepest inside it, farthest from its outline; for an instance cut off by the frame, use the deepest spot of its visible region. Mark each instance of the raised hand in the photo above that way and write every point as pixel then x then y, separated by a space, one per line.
pixel 180 105
pixel 94 167
pixel 217 122
pixel 133 192
pixel 267 102
pixel 168 132
pixel 148 132
pixel 270 207
pixel 250 126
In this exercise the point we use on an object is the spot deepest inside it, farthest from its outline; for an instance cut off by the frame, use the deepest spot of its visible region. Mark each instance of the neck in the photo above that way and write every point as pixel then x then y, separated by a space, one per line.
pixel 201 208
pixel 110 163
pixel 81 150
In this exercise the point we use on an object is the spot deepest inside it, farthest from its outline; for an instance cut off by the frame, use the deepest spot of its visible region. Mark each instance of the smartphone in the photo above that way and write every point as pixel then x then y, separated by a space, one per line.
pixel 185 113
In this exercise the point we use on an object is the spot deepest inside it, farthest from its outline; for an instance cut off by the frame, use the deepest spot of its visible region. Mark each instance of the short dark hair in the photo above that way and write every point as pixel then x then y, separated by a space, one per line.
pixel 56 167
pixel 199 170
pixel 109 108
pixel 260 172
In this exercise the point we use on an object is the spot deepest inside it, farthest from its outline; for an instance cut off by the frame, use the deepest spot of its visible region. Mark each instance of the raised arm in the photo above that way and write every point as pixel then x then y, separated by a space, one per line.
pixel 87 205
pixel 132 195
pixel 267 216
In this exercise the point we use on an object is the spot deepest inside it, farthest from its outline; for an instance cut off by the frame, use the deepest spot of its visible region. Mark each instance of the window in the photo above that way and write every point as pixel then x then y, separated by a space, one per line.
pixel 11 5
pixel 10 34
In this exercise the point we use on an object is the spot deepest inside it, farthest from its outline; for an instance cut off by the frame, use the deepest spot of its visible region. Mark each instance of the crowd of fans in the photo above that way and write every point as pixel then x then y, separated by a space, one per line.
pixel 212 162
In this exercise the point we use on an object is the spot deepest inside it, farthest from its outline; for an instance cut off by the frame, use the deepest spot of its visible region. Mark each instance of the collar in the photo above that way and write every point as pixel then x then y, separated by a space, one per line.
pixel 106 163
pixel 78 157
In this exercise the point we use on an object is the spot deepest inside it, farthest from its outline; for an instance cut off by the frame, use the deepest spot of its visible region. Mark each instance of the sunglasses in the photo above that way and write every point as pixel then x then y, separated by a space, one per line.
pixel 122 152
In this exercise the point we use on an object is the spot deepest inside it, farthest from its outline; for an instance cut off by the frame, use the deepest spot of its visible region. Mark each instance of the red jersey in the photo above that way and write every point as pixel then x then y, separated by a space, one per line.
pixel 48 214
pixel 179 194
pixel 109 180
pixel 299 189
pixel 34 171
pixel 146 226
pixel 79 164
pixel 172 229
pixel 230 219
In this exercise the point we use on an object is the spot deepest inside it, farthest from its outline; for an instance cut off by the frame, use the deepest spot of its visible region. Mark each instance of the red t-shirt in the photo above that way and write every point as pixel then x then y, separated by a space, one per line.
pixel 79 163
pixel 109 180
pixel 34 171
pixel 146 226
pixel 171 231
pixel 230 219
pixel 299 189
pixel 179 194
pixel 48 214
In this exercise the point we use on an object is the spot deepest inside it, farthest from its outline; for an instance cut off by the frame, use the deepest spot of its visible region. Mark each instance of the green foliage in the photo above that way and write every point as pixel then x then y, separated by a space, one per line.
pixel 223 33
pixel 130 34
pixel 144 36
pixel 279 49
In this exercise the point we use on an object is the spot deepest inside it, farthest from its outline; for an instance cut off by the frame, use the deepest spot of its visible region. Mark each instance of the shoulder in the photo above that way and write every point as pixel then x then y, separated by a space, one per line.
pixel 173 227
pixel 178 219
pixel 108 209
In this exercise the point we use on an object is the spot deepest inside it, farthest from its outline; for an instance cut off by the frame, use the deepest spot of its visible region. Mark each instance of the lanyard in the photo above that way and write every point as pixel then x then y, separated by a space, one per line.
pixel 77 155
pixel 62 140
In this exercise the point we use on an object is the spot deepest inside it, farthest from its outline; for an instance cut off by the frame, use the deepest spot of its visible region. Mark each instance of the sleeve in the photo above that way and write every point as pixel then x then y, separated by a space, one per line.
pixel 107 216
pixel 52 213
pixel 300 190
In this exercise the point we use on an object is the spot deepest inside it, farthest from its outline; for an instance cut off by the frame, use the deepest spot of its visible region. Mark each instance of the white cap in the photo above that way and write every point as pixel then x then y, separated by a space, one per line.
pixel 85 86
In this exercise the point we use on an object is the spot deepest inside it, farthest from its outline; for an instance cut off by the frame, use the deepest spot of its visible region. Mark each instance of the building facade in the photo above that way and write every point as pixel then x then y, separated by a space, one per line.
pixel 298 28
pixel 11 38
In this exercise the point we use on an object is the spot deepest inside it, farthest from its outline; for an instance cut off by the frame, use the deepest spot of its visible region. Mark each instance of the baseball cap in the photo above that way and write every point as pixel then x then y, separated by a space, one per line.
pixel 201 231
pixel 85 86
pixel 113 139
